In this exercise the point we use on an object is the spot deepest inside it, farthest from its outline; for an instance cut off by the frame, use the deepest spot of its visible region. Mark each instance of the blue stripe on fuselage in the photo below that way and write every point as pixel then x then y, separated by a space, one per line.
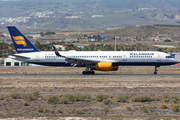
pixel 64 64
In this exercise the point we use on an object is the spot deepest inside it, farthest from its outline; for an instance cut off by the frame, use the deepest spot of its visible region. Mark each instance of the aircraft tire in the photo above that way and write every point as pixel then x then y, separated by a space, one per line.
pixel 92 72
pixel 84 72
pixel 88 73
pixel 155 73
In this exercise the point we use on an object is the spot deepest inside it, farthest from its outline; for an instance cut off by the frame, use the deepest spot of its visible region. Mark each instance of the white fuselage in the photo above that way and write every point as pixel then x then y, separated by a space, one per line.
pixel 118 58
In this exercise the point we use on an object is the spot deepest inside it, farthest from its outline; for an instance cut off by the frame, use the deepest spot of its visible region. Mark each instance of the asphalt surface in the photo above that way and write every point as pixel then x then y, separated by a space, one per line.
pixel 96 75
pixel 96 92
pixel 80 75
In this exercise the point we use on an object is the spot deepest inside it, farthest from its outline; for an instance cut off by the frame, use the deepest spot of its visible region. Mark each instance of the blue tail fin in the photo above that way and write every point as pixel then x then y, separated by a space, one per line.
pixel 21 43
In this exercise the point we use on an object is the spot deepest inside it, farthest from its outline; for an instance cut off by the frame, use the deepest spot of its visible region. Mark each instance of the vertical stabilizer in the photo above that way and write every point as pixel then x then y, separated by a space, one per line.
pixel 21 43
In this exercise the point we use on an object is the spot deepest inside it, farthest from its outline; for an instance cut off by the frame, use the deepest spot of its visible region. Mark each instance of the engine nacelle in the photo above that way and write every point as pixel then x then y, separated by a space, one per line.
pixel 105 66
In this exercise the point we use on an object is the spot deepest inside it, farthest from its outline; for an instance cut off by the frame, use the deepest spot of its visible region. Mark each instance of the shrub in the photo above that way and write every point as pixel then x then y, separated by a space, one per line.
pixel 40 110
pixel 157 99
pixel 51 111
pixel 106 110
pixel 15 95
pixel 176 108
pixel 153 99
pixel 128 108
pixel 63 100
pixel 165 100
pixel 60 95
pixel 150 108
pixel 35 93
pixel 69 97
pixel 72 110
pixel 74 98
pixel 28 96
pixel 46 110
pixel 163 106
pixel 141 98
pixel 144 109
pixel 25 103
pixel 106 101
pixel 101 97
pixel 174 100
pixel 87 100
pixel 59 111
pixel 1 97
pixel 52 100
pixel 78 111
pixel 176 97
pixel 120 98
pixel 83 97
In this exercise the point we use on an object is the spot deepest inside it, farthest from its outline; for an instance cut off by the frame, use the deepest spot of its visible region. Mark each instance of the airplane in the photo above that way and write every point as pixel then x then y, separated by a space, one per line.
pixel 91 60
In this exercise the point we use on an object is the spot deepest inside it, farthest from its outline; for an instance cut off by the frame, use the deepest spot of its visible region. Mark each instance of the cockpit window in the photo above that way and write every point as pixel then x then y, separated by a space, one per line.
pixel 169 57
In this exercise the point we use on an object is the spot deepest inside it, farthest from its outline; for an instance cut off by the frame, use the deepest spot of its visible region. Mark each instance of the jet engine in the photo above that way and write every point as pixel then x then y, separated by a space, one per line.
pixel 104 66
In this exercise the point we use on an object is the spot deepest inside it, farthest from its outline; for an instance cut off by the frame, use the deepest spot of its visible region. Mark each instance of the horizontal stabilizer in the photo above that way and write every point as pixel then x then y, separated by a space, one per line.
pixel 24 57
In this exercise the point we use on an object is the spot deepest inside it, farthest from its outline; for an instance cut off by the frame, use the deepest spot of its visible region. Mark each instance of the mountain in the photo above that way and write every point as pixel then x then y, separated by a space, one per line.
pixel 84 13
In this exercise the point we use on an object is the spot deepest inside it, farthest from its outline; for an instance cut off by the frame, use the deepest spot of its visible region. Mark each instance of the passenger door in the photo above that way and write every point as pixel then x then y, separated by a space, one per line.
pixel 37 58
pixel 159 58
pixel 124 58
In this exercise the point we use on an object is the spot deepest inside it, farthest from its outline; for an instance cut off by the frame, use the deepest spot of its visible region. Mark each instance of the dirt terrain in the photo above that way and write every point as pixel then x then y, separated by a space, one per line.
pixel 159 89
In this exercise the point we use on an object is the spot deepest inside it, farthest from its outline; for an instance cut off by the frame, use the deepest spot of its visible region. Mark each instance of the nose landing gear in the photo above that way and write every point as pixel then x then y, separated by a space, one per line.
pixel 155 72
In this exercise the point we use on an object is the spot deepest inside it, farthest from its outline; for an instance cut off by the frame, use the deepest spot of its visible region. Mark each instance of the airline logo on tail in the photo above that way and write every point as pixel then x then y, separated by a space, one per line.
pixel 55 51
pixel 19 40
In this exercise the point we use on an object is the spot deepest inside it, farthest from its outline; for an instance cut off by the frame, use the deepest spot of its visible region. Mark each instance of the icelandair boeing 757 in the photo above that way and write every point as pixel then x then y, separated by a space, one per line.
pixel 91 60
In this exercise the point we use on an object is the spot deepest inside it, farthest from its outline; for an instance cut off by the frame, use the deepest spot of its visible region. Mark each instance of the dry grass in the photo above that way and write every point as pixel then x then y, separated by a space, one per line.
pixel 94 83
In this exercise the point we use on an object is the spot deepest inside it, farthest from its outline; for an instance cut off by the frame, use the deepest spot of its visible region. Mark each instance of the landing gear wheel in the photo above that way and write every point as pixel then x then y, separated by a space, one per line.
pixel 155 72
pixel 92 72
pixel 84 73
pixel 88 72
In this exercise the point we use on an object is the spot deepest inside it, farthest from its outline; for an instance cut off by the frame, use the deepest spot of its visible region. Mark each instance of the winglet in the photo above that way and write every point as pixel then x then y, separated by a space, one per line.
pixel 56 52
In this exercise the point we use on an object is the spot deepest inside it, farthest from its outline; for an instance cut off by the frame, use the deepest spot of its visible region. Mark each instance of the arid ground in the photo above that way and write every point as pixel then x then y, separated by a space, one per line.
pixel 147 96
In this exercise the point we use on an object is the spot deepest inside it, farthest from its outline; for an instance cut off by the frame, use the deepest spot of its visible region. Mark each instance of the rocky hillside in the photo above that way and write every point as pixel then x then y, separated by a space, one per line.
pixel 82 13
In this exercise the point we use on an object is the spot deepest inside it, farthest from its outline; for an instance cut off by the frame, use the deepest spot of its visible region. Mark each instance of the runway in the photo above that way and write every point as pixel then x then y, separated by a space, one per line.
pixel 95 92
pixel 96 75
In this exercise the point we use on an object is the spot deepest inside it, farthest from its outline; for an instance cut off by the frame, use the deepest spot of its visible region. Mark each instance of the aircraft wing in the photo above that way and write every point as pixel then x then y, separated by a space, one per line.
pixel 76 61
pixel 80 61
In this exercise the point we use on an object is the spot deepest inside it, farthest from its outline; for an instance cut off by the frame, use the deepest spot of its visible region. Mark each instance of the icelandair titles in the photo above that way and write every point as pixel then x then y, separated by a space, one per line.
pixel 25 49
pixel 141 53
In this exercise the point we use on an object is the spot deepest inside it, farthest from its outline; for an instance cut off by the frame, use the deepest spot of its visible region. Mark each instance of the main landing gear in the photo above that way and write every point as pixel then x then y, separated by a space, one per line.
pixel 155 72
pixel 87 72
